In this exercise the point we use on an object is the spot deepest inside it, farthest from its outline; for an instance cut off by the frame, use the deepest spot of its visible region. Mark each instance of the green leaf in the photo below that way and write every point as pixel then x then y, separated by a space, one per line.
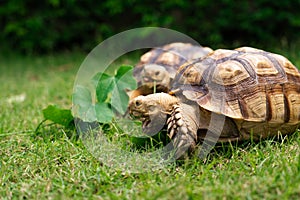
pixel 82 97
pixel 125 79
pixel 105 85
pixel 83 107
pixel 104 113
pixel 57 115
pixel 122 70
pixel 119 99
pixel 89 115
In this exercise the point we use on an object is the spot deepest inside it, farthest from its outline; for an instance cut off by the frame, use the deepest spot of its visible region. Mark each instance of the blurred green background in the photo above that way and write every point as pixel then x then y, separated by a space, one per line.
pixel 31 26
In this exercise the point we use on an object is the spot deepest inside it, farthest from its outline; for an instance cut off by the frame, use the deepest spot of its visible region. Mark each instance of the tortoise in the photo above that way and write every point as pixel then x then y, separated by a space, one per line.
pixel 157 68
pixel 229 95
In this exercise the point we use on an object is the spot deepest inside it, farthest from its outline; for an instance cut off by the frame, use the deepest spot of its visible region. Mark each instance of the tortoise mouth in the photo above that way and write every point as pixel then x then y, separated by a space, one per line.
pixel 135 114
pixel 151 82
pixel 145 119
pixel 150 125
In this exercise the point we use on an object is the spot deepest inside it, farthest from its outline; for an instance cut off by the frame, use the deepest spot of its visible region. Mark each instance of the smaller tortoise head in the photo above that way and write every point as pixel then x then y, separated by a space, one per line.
pixel 152 110
pixel 155 73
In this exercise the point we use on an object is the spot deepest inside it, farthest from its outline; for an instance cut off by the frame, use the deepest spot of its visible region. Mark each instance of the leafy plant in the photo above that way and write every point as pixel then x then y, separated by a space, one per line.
pixel 111 96
pixel 111 99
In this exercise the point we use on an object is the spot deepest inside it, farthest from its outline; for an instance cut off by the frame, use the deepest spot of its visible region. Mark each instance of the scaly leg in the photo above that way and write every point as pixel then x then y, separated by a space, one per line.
pixel 182 128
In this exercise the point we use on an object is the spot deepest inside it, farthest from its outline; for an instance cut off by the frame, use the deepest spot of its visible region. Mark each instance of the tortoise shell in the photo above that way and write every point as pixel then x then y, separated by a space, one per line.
pixel 244 84
pixel 228 95
pixel 170 57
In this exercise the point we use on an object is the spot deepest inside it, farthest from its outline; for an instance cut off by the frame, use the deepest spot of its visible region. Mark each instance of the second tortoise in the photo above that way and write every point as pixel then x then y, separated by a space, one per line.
pixel 157 68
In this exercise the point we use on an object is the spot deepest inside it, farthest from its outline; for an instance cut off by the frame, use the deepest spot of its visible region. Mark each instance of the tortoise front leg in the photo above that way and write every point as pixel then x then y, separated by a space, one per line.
pixel 188 121
pixel 182 129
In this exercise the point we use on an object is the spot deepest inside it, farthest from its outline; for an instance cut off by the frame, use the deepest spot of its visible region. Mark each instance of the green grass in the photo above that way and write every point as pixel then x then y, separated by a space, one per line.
pixel 49 165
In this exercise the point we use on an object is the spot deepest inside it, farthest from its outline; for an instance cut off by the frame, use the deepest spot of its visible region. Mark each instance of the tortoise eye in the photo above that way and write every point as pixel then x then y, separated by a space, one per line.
pixel 157 73
pixel 138 103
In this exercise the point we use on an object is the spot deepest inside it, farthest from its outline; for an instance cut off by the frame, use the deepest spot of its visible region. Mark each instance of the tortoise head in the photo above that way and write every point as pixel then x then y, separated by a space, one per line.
pixel 153 73
pixel 152 110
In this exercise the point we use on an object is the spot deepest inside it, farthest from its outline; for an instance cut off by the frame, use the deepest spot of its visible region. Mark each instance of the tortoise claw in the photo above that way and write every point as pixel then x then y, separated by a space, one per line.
pixel 183 144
